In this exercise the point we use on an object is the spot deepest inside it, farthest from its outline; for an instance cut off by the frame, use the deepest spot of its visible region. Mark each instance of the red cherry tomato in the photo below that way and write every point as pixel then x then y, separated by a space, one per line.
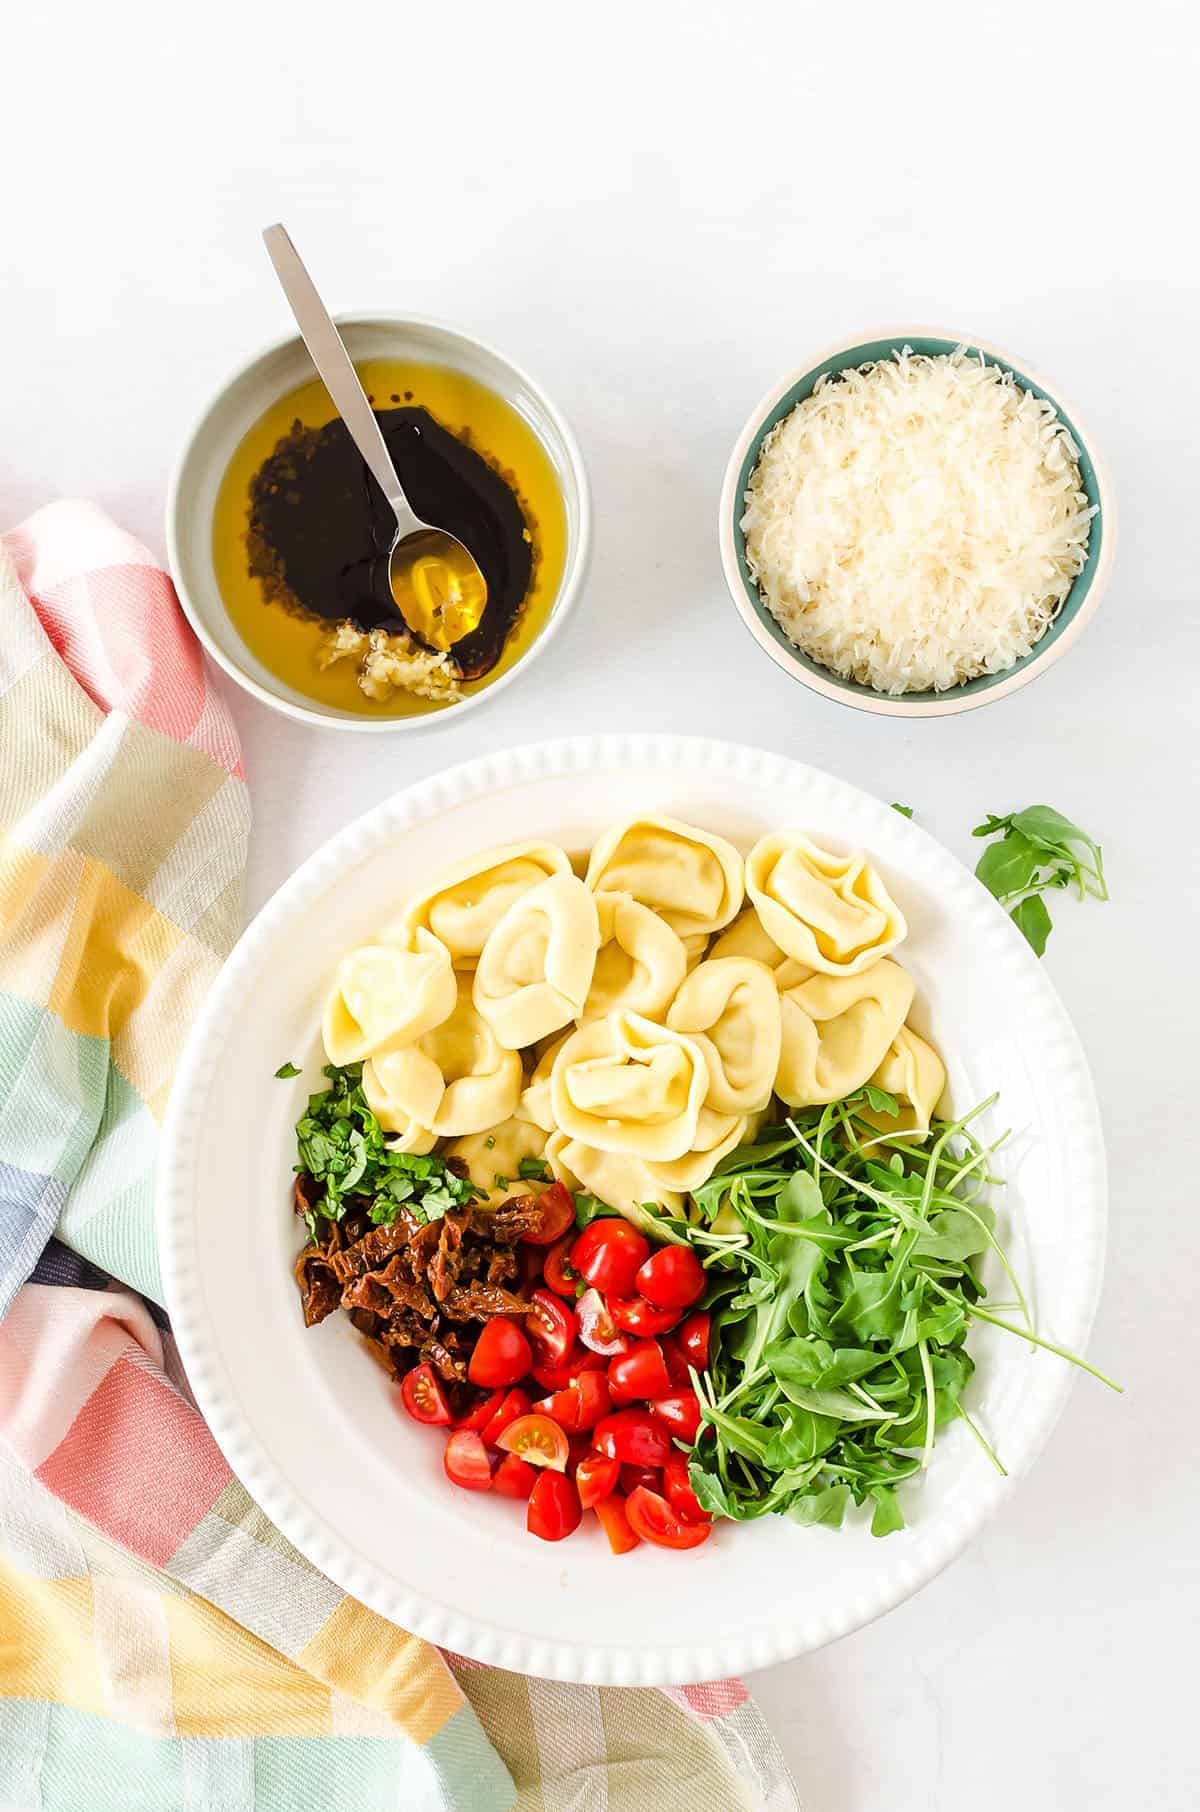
pixel 595 1398
pixel 502 1354
pixel 558 1272
pixel 651 1517
pixel 562 1406
pixel 595 1476
pixel 641 1372
pixel 678 1489
pixel 480 1414
pixel 634 1437
pixel 423 1396
pixel 608 1254
pixel 558 1377
pixel 554 1508
pixel 513 1403
pixel 466 1461
pixel 680 1410
pixel 550 1325
pixel 556 1206
pixel 514 1477
pixel 633 1476
pixel 613 1520
pixel 597 1328
pixel 538 1440
pixel 579 1446
pixel 677 1365
pixel 637 1316
pixel 672 1277
pixel 693 1339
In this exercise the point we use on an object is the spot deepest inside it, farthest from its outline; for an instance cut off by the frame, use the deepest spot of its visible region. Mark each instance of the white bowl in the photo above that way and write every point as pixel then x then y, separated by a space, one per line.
pixel 1077 609
pixel 307 1420
pixel 240 402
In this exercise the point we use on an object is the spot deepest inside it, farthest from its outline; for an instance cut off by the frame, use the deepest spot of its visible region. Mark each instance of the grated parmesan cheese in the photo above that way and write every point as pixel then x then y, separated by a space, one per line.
pixel 393 663
pixel 916 522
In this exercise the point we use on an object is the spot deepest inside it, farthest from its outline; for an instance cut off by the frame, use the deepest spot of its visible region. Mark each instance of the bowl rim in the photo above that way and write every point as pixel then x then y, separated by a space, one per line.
pixel 573 577
pixel 954 701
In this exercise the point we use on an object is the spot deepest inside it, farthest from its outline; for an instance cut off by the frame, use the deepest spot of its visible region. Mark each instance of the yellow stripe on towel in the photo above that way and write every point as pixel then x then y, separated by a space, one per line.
pixel 375 1662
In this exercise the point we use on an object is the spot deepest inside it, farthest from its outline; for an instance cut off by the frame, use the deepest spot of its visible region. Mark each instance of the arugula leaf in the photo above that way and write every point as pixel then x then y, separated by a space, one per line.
pixel 285 1072
pixel 1039 851
pixel 905 811
pixel 1008 867
pixel 1032 918
pixel 589 1208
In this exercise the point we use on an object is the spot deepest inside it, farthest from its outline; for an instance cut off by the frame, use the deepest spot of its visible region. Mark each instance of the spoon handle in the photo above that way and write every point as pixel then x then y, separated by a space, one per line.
pixel 329 355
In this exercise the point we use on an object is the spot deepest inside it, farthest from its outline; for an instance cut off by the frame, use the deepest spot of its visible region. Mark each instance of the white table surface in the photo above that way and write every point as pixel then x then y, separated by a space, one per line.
pixel 658 209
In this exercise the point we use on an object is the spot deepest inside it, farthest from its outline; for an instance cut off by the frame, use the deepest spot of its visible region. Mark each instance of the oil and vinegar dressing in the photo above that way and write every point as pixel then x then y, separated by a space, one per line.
pixel 301 532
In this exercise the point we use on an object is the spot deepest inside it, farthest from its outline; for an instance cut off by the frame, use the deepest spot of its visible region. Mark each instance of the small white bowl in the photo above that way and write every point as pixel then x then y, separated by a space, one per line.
pixel 770 635
pixel 243 399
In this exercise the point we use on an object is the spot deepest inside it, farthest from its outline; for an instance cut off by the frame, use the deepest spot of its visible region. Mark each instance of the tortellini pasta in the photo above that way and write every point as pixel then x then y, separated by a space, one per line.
pixel 536 967
pixel 640 963
pixel 837 1029
pixel 624 1084
pixel 469 899
pixel 534 1104
pixel 831 912
pixel 734 1004
pixel 493 1158
pixel 385 995
pixel 404 1090
pixel 716 1134
pixel 624 1182
pixel 746 937
pixel 476 1082
pixel 913 1072
pixel 692 879
pixel 695 948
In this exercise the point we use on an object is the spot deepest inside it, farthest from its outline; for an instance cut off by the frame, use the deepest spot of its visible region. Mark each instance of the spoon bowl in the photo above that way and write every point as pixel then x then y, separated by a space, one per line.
pixel 437 585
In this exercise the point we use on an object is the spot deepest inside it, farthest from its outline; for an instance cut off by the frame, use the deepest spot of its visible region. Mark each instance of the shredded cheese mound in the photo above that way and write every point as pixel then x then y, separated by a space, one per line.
pixel 392 663
pixel 917 522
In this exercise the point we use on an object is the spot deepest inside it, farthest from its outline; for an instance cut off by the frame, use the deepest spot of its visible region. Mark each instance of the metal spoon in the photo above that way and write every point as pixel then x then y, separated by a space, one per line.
pixel 435 581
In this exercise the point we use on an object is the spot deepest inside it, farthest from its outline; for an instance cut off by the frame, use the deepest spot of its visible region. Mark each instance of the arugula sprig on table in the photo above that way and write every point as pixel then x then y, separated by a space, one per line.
pixel 842 1291
pixel 1038 850
pixel 343 1147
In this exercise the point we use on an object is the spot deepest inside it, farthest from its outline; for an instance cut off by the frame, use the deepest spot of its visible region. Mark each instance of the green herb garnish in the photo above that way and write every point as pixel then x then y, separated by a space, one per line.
pixel 533 1170
pixel 285 1072
pixel 905 811
pixel 342 1146
pixel 1038 850
pixel 844 1278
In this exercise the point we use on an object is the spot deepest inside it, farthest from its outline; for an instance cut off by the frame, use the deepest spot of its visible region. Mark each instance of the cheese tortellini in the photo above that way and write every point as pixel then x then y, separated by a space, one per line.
pixel 715 1135
pixel 627 1085
pixel 385 995
pixel 837 1029
pixel 468 900
pixel 493 1158
pixel 913 1072
pixel 623 1181
pixel 640 963
pixel 536 967
pixel 731 1006
pixel 746 937
pixel 692 879
pixel 455 1079
pixel 831 912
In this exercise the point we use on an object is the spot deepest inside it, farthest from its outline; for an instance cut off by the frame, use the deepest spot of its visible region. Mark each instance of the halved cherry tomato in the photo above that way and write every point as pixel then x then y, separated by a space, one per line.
pixel 680 1410
pixel 423 1396
pixel 633 1476
pixel 677 1365
pixel 608 1253
pixel 693 1339
pixel 550 1325
pixel 637 1316
pixel 514 1477
pixel 672 1277
pixel 651 1517
pixel 581 1405
pixel 513 1403
pixel 634 1437
pixel 558 1272
pixel 641 1372
pixel 556 1206
pixel 538 1440
pixel 615 1523
pixel 481 1413
pixel 554 1508
pixel 678 1489
pixel 578 1448
pixel 595 1476
pixel 597 1329
pixel 502 1354
pixel 558 1377
pixel 466 1461
pixel 562 1406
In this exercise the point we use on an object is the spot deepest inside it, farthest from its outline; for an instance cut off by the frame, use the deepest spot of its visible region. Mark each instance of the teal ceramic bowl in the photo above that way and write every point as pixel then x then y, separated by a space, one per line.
pixel 1081 600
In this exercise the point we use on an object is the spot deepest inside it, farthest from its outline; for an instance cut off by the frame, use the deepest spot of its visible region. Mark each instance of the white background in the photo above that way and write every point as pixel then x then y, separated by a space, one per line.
pixel 659 209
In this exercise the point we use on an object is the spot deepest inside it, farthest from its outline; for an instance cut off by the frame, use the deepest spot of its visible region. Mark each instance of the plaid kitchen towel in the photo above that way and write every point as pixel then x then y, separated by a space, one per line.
pixel 161 1644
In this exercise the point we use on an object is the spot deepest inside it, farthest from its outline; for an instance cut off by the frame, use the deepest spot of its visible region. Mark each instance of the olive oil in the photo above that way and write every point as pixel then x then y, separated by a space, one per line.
pixel 291 497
